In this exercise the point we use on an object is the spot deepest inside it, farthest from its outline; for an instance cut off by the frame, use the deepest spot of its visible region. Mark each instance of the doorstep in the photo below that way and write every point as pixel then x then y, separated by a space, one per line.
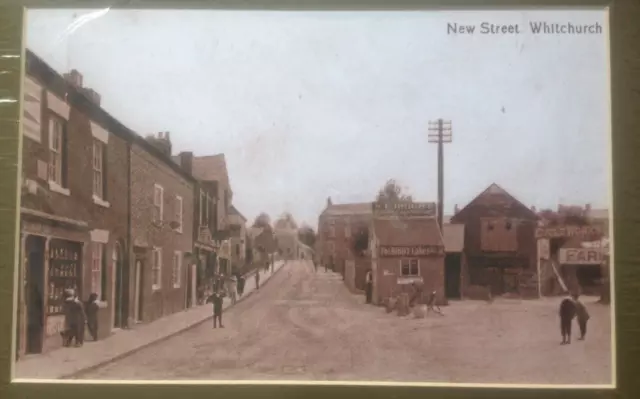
pixel 64 363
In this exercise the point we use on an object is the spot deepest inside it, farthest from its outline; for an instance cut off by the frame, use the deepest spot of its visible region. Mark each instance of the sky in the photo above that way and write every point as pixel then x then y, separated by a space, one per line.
pixel 311 105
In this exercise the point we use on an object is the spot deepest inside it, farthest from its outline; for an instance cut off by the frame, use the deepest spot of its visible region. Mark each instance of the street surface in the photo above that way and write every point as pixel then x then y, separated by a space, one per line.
pixel 307 326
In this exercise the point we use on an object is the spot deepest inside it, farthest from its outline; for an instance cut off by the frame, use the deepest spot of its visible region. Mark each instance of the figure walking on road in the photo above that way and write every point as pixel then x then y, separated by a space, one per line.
pixel 582 315
pixel 231 285
pixel 369 285
pixel 241 282
pixel 257 276
pixel 567 313
pixel 217 299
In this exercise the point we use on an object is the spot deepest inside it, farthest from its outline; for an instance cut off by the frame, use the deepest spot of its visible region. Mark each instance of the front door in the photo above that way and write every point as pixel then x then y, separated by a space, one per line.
pixel 452 276
pixel 35 253
pixel 139 288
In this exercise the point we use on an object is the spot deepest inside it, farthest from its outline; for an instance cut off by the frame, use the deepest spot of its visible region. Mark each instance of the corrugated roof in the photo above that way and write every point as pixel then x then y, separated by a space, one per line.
pixel 349 209
pixel 407 232
pixel 211 168
pixel 453 237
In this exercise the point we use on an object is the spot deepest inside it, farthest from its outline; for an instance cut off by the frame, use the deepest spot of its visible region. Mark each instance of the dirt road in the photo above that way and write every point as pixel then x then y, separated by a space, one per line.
pixel 307 326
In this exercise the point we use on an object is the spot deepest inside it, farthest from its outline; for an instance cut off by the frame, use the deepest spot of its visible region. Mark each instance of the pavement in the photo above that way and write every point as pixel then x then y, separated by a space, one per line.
pixel 65 363
pixel 305 325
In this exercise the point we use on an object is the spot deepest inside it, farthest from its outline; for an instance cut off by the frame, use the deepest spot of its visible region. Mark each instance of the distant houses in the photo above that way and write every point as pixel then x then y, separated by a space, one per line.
pixel 493 246
pixel 109 212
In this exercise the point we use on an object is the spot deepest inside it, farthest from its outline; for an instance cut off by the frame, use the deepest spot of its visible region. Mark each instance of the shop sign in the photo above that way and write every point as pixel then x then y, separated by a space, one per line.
pixel 404 209
pixel 567 231
pixel 409 280
pixel 543 249
pixel 392 251
pixel 580 256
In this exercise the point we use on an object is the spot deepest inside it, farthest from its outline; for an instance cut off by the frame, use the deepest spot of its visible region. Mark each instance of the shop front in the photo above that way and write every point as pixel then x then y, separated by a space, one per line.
pixel 408 255
pixel 52 261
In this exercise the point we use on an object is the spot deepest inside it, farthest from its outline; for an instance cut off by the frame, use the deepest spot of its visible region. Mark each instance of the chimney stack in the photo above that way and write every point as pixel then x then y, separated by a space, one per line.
pixel 587 208
pixel 92 95
pixel 533 209
pixel 456 209
pixel 161 142
pixel 329 202
pixel 74 77
pixel 186 161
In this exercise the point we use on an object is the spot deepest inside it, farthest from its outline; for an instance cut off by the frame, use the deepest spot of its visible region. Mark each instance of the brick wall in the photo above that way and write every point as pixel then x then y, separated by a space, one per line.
pixel 146 171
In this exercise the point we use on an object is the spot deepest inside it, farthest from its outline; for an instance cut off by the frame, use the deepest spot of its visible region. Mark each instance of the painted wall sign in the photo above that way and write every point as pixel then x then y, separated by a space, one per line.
pixel 580 256
pixel 404 208
pixel 543 249
pixel 409 280
pixel 389 251
pixel 567 231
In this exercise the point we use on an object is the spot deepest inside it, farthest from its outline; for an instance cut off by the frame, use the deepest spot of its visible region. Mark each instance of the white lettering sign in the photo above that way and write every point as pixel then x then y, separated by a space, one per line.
pixel 409 280
pixel 580 256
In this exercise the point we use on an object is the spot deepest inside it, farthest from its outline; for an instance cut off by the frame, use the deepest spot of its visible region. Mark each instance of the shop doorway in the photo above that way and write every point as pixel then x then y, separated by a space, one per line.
pixel 35 254
pixel 140 278
pixel 452 275
pixel 121 287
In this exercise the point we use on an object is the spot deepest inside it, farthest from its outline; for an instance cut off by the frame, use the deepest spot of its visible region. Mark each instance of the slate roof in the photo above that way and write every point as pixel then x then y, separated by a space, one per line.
pixel 493 189
pixel 407 232
pixel 453 237
pixel 234 211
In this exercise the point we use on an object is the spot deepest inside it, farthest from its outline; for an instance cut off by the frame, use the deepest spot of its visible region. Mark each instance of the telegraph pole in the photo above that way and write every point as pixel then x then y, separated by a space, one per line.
pixel 440 133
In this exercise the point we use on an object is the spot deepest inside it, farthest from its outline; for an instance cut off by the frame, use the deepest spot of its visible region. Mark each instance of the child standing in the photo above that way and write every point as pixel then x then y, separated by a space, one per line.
pixel 582 315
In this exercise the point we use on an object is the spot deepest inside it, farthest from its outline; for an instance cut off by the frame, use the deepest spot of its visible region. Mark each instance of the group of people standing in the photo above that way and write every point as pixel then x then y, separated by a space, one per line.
pixel 77 315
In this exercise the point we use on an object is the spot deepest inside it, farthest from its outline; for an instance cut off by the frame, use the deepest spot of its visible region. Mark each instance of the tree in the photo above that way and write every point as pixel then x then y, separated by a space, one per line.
pixel 263 221
pixel 286 221
pixel 361 241
pixel 307 235
pixel 392 192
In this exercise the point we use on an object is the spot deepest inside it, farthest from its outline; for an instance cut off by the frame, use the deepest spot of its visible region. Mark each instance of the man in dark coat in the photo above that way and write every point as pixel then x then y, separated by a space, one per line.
pixel 74 319
pixel 217 299
pixel 369 285
pixel 567 313
pixel 91 309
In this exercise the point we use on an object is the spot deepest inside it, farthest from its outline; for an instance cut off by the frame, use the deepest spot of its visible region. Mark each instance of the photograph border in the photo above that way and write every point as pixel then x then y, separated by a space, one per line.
pixel 624 51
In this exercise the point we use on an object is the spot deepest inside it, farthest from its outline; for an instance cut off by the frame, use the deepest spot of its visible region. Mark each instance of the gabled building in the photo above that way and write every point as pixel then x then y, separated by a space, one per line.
pixel 212 171
pixel 407 248
pixel 499 244
pixel 338 225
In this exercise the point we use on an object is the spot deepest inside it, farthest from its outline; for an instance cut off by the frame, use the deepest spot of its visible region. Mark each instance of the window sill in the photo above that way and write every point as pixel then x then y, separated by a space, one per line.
pixel 156 287
pixel 176 286
pixel 178 231
pixel 99 201
pixel 55 187
pixel 102 304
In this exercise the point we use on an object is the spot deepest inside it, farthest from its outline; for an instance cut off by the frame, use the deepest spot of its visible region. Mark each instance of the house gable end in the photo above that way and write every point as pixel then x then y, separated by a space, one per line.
pixel 490 193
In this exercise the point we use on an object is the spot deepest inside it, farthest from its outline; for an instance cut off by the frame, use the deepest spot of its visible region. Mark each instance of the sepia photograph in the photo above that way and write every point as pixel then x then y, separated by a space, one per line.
pixel 398 197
